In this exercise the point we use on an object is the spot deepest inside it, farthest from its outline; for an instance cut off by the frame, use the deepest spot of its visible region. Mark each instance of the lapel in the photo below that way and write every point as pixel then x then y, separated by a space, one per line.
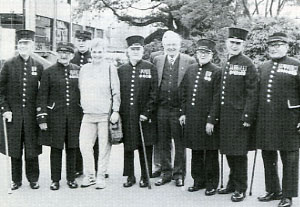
pixel 181 68
pixel 160 67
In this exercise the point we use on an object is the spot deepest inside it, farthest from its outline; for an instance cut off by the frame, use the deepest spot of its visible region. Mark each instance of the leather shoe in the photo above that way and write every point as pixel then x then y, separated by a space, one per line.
pixel 34 185
pixel 225 191
pixel 162 181
pixel 15 185
pixel 179 182
pixel 270 197
pixel 196 187
pixel 238 196
pixel 54 186
pixel 210 192
pixel 72 184
pixel 285 202
pixel 143 183
pixel 130 182
pixel 156 174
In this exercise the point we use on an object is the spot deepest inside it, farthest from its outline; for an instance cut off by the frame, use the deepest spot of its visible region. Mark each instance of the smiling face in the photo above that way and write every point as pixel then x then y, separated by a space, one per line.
pixel 25 47
pixel 64 57
pixel 135 53
pixel 82 45
pixel 97 54
pixel 234 46
pixel 277 49
pixel 204 56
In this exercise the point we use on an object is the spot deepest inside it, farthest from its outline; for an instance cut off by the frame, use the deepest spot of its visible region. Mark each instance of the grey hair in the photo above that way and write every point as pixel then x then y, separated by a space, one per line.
pixel 171 35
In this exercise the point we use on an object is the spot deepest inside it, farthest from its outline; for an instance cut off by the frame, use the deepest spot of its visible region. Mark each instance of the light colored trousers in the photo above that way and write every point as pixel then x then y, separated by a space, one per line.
pixel 94 125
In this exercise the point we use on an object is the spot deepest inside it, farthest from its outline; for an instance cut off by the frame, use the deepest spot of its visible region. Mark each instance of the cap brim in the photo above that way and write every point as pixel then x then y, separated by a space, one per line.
pixel 25 40
pixel 204 49
pixel 277 40
pixel 235 39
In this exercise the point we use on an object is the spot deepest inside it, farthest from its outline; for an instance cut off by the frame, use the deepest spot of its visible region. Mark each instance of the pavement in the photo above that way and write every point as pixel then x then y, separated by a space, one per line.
pixel 114 195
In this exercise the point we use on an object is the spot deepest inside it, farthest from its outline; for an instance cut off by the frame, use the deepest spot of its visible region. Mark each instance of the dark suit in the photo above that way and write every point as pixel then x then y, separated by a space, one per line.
pixel 19 81
pixel 59 106
pixel 278 116
pixel 169 111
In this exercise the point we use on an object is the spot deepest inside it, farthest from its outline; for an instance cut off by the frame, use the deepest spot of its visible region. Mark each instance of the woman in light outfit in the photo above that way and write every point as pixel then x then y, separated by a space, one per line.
pixel 99 96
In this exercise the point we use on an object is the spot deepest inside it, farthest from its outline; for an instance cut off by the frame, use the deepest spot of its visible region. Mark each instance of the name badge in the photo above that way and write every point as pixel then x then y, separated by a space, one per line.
pixel 145 73
pixel 237 70
pixel 207 75
pixel 33 70
pixel 288 69
pixel 74 74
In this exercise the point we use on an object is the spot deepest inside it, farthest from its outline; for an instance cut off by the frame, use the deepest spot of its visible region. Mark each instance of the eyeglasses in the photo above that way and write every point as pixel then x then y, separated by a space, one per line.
pixel 276 45
pixel 235 43
pixel 203 52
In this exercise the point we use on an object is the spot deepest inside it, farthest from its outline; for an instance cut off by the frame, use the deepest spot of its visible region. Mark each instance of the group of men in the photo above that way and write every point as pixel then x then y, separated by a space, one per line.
pixel 199 105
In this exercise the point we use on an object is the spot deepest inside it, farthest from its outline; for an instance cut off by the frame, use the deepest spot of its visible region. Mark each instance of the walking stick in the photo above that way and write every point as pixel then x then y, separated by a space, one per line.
pixel 145 155
pixel 8 165
pixel 222 168
pixel 253 169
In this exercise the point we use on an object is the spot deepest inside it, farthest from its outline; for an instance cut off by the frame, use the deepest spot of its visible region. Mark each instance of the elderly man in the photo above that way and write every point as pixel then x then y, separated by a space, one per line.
pixel 237 113
pixel 19 81
pixel 171 67
pixel 278 120
pixel 200 105
pixel 138 87
pixel 59 113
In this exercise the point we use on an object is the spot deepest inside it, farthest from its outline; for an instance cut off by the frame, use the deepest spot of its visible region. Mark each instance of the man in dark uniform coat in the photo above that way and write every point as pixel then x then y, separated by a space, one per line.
pixel 200 106
pixel 19 82
pixel 238 108
pixel 171 68
pixel 138 87
pixel 278 120
pixel 59 113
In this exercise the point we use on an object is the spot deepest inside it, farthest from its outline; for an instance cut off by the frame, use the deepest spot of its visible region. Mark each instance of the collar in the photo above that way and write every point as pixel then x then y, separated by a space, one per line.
pixel 174 58
pixel 138 62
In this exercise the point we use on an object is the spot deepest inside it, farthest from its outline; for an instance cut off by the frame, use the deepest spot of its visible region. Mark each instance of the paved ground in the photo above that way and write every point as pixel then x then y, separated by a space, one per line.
pixel 115 195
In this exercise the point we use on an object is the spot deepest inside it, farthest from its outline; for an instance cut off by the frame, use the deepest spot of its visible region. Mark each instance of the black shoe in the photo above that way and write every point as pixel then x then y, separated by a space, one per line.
pixel 238 196
pixel 78 174
pixel 54 186
pixel 143 183
pixel 34 185
pixel 162 181
pixel 285 202
pixel 130 182
pixel 210 192
pixel 156 174
pixel 270 197
pixel 225 190
pixel 196 187
pixel 179 182
pixel 106 175
pixel 15 185
pixel 72 184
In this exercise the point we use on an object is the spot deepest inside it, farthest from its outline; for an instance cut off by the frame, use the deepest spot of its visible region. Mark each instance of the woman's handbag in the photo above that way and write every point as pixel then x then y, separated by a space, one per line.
pixel 114 130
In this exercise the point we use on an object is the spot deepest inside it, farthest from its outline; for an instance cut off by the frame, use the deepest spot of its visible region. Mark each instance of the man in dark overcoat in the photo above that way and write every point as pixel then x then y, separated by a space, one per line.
pixel 200 105
pixel 138 87
pixel 59 113
pixel 238 109
pixel 19 82
pixel 171 67
pixel 278 120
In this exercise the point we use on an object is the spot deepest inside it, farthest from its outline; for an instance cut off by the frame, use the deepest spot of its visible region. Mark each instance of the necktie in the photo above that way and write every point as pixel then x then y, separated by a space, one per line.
pixel 172 61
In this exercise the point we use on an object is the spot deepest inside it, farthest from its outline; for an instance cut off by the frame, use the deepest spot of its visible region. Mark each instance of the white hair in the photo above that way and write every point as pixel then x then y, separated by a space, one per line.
pixel 171 35
pixel 98 42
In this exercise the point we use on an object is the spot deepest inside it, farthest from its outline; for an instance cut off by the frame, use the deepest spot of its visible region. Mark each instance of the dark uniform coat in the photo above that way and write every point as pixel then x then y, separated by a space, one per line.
pixel 201 103
pixel 19 82
pixel 279 104
pixel 59 106
pixel 239 88
pixel 138 88
pixel 81 58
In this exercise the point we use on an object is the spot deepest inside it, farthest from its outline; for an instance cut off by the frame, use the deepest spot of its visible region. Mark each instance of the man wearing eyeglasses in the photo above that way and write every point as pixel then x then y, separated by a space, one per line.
pixel 200 105
pixel 59 113
pixel 278 121
pixel 238 109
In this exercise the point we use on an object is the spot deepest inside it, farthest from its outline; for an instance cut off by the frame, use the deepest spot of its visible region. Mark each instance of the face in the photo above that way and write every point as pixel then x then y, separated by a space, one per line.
pixel 97 54
pixel 82 45
pixel 277 49
pixel 64 57
pixel 25 48
pixel 135 53
pixel 171 46
pixel 204 56
pixel 234 46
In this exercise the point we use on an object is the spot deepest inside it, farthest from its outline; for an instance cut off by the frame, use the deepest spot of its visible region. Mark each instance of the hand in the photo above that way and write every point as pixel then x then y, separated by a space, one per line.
pixel 182 120
pixel 8 115
pixel 143 118
pixel 114 117
pixel 209 129
pixel 245 124
pixel 298 127
pixel 43 126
